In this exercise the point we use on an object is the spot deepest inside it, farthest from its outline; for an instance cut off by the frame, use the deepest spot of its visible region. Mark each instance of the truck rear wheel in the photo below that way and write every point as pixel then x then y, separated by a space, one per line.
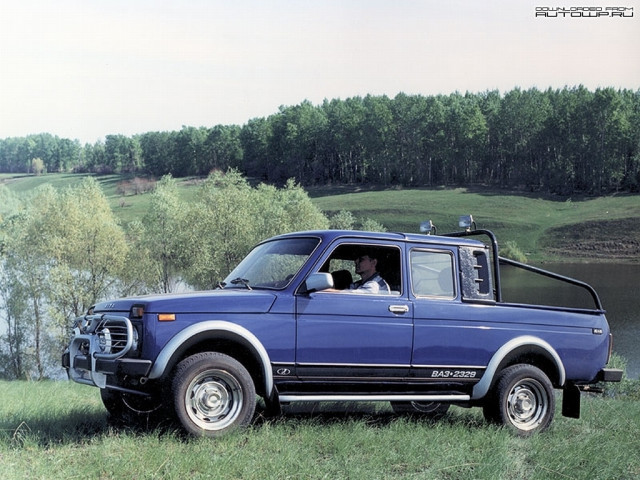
pixel 213 394
pixel 523 400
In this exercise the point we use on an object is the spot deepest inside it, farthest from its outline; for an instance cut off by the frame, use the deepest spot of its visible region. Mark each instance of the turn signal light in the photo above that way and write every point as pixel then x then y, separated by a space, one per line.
pixel 166 317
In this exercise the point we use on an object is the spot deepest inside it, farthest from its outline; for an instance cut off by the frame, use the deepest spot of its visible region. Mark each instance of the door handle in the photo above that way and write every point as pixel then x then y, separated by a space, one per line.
pixel 398 309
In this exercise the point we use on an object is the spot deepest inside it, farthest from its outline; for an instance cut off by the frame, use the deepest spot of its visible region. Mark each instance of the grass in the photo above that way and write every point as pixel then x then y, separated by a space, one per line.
pixel 538 224
pixel 51 430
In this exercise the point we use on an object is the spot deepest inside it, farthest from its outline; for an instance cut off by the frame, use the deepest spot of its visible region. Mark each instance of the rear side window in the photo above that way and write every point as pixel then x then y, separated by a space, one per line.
pixel 432 273
pixel 476 275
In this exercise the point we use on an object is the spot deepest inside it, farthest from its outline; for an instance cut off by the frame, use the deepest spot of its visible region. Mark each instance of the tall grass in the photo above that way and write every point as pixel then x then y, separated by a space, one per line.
pixel 59 430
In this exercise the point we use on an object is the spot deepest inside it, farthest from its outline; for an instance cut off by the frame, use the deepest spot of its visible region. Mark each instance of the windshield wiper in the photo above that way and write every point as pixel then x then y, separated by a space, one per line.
pixel 241 281
pixel 220 285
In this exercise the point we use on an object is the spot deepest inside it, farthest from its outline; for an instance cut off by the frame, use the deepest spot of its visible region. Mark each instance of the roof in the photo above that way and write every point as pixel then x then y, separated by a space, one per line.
pixel 330 235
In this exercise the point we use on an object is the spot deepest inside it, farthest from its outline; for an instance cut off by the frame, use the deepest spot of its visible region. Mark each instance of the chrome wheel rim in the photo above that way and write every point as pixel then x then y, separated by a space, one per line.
pixel 214 399
pixel 527 404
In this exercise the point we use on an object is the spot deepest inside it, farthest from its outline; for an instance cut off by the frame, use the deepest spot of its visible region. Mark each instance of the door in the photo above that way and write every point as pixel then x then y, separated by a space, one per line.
pixel 449 334
pixel 346 335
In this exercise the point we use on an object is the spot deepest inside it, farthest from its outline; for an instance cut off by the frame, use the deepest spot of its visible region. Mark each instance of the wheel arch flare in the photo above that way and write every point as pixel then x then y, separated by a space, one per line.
pixel 534 350
pixel 203 332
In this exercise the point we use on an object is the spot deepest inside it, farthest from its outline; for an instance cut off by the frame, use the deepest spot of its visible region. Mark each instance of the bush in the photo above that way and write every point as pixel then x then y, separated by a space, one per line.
pixel 512 251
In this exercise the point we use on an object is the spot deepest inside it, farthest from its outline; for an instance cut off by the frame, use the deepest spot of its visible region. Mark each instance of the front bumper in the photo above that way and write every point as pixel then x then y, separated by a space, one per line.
pixel 98 348
pixel 121 366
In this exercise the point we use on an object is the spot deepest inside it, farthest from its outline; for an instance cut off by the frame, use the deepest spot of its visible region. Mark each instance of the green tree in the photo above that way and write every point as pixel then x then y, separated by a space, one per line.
pixel 28 269
pixel 160 236
pixel 156 152
pixel 189 154
pixel 222 149
pixel 343 220
pixel 370 225
pixel 611 139
pixel 15 361
pixel 345 140
pixel 229 217
pixel 255 138
pixel 379 135
pixel 95 157
pixel 122 154
pixel 88 245
pixel 37 166
pixel 65 251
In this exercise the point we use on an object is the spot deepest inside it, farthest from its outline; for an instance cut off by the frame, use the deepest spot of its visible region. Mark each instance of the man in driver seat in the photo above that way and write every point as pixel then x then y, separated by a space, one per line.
pixel 370 280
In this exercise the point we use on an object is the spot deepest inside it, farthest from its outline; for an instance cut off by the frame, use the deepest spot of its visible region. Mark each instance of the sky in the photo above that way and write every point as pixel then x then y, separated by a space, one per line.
pixel 83 69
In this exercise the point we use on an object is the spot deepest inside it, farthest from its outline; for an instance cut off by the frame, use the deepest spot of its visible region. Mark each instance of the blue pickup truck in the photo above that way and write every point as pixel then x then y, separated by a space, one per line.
pixel 290 325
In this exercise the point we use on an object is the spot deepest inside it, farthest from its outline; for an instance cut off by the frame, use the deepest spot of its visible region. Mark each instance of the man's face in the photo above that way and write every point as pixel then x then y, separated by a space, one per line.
pixel 365 265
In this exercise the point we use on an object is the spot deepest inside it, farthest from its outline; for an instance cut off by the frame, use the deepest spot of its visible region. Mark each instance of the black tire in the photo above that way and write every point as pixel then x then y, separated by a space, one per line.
pixel 432 410
pixel 523 400
pixel 131 408
pixel 213 394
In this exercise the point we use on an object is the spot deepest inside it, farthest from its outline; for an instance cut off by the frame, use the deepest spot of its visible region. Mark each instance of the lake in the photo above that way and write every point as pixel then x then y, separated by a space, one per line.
pixel 618 287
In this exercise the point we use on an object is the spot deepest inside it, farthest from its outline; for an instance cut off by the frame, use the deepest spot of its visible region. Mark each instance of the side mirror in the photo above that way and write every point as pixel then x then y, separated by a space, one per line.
pixel 318 281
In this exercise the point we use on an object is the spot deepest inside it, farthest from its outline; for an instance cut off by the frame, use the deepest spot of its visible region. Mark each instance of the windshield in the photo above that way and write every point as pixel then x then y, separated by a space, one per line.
pixel 271 264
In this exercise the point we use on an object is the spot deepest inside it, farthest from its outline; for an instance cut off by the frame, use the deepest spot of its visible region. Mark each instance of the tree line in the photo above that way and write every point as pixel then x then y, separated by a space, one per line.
pixel 61 251
pixel 562 141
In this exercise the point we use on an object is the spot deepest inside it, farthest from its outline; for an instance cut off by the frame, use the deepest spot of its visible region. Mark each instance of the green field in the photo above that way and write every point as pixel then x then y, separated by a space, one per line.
pixel 59 430
pixel 544 227
pixel 538 224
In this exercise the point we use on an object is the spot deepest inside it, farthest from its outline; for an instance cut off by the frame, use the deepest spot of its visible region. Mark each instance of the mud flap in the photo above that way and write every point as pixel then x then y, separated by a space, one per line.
pixel 571 401
pixel 273 408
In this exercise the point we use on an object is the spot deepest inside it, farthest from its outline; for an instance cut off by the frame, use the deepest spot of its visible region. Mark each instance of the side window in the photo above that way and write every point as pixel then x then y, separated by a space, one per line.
pixel 342 266
pixel 432 273
pixel 476 275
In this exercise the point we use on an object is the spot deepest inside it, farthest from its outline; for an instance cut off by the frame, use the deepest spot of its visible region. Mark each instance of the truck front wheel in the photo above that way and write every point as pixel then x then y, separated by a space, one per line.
pixel 213 394
pixel 523 400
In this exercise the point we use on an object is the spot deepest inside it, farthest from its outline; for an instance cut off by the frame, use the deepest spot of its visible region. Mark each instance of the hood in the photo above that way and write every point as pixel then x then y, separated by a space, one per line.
pixel 215 301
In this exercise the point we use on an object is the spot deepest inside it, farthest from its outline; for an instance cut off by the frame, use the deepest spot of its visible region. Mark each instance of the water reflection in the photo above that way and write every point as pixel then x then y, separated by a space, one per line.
pixel 617 287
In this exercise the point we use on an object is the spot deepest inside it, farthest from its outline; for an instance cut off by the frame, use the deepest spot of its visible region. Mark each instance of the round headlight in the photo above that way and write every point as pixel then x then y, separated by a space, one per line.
pixel 104 340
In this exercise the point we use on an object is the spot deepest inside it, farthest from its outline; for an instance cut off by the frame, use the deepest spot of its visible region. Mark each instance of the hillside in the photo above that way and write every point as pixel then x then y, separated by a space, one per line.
pixel 546 228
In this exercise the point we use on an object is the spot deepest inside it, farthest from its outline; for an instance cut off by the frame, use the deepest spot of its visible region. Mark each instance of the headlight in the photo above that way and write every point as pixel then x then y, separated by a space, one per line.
pixel 134 346
pixel 105 341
